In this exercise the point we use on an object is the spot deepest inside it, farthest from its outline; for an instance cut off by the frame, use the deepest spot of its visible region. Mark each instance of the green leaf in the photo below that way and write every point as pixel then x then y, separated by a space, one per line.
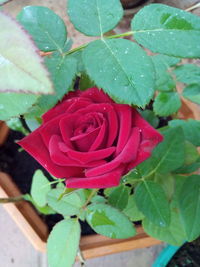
pixel 192 93
pixel 21 67
pixel 167 156
pixel 108 191
pixel 94 17
pixel 166 103
pixel 63 243
pixel 108 221
pixel 47 29
pixel 189 201
pixel 63 72
pixel 149 116
pixel 131 177
pixel 174 234
pixel 151 200
pixel 119 197
pixel 70 204
pixel 85 82
pixel 162 63
pixel 189 168
pixel 162 29
pixel 40 188
pixel 191 153
pixel 122 69
pixel 167 183
pixel 98 199
pixel 132 210
pixel 191 129
pixel 44 210
pixel 16 125
pixel 32 124
pixel 20 104
pixel 188 73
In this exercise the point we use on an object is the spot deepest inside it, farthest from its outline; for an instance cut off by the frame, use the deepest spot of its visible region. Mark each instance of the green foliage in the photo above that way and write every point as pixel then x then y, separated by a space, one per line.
pixel 39 188
pixel 162 64
pixel 191 153
pixel 167 156
pixel 166 103
pixel 174 233
pixel 108 221
pixel 94 17
pixel 132 211
pixel 20 65
pixel 20 104
pixel 162 29
pixel 131 177
pixel 151 200
pixel 122 69
pixel 46 210
pixel 85 82
pixel 69 204
pixel 189 202
pixel 189 168
pixel 168 204
pixel 188 73
pixel 191 129
pixel 119 197
pixel 192 93
pixel 63 243
pixel 149 116
pixel 167 183
pixel 46 28
pixel 98 199
pixel 63 71
pixel 16 125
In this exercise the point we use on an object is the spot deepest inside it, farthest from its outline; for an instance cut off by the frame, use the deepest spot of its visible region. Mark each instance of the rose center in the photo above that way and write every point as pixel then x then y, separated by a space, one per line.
pixel 86 130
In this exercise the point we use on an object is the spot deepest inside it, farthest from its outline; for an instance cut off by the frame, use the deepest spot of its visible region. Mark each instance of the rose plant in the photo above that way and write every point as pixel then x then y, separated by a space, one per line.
pixel 104 119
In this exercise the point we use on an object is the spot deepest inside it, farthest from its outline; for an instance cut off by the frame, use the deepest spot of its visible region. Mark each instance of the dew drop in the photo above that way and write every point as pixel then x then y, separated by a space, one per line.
pixel 1 106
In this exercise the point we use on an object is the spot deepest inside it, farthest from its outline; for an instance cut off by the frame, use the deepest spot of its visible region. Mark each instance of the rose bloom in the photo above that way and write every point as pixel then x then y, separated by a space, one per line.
pixel 90 140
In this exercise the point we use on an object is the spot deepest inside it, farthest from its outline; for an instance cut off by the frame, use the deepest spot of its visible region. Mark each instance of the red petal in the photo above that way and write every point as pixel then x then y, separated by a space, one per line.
pixel 147 131
pixel 99 141
pixel 96 95
pixel 85 157
pixel 59 109
pixel 50 128
pixel 107 180
pixel 83 142
pixel 34 145
pixel 62 159
pixel 125 120
pixel 128 154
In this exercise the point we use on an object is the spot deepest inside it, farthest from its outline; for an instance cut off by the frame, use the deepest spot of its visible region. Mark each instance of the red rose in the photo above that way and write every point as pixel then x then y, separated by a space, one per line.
pixel 90 140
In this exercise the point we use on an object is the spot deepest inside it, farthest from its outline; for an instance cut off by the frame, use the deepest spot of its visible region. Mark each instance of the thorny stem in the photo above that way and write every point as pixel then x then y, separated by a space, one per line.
pixel 11 199
pixel 94 191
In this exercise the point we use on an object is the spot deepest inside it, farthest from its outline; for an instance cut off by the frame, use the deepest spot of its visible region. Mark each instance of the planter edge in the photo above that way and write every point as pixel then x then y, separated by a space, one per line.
pixel 36 230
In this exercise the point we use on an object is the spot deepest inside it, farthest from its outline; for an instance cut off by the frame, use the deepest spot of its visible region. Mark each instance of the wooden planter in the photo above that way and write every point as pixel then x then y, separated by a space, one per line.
pixel 36 230
pixel 92 246
pixel 3 132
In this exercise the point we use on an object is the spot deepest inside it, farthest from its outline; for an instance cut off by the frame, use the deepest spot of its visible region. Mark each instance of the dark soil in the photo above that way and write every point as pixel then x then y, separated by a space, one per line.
pixel 187 256
pixel 21 167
